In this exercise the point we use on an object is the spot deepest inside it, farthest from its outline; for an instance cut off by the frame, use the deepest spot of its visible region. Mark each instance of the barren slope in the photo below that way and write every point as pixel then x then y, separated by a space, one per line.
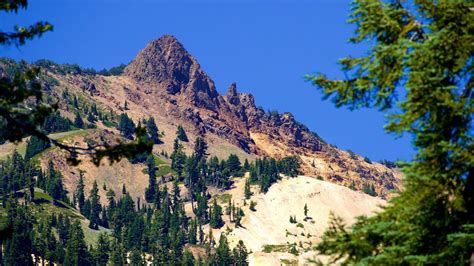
pixel 269 227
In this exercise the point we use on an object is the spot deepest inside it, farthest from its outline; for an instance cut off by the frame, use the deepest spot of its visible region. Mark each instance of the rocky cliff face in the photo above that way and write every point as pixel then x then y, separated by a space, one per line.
pixel 164 66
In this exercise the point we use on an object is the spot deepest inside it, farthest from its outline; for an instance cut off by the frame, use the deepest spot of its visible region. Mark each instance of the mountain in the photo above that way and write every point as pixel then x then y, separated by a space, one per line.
pixel 166 74
pixel 167 83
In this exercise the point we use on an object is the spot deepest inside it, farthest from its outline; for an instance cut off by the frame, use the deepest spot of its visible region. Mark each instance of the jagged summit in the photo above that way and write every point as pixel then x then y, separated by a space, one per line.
pixel 164 64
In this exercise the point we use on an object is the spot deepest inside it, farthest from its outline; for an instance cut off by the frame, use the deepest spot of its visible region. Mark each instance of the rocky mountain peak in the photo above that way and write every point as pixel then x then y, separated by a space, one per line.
pixel 165 65
pixel 231 95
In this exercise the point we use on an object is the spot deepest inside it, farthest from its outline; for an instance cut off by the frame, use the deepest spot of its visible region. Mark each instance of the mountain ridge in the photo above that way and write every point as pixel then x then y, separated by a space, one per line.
pixel 166 82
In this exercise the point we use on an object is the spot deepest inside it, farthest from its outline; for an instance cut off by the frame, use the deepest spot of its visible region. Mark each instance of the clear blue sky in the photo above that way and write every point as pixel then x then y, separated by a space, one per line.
pixel 265 46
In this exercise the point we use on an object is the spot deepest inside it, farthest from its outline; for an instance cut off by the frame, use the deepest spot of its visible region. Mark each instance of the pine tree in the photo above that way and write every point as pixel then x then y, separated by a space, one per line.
pixel 75 102
pixel 305 210
pixel 126 126
pixel 150 191
pixel 34 146
pixel 152 131
pixel 216 217
pixel 247 191
pixel 233 165
pixel 102 250
pixel 181 134
pixel 54 183
pixel 78 122
pixel 18 245
pixel 178 158
pixel 76 249
pixel 94 218
pixel 418 50
pixel 80 192
pixel 188 259
pixel 252 206
pixel 200 149
pixel 118 255
pixel 223 254
pixel 240 254
pixel 192 236
pixel 91 118
pixel 246 166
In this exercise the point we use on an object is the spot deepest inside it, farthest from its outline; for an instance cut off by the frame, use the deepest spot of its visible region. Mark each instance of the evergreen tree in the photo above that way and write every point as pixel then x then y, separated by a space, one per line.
pixel 233 165
pixel 117 256
pixel 246 166
pixel 126 126
pixel 216 217
pixel 18 244
pixel 188 259
pixel 178 158
pixel 240 254
pixel 150 191
pixel 223 254
pixel 181 134
pixel 102 251
pixel 91 118
pixel 247 191
pixel 76 249
pixel 75 102
pixel 34 146
pixel 152 131
pixel 305 210
pixel 78 122
pixel 192 236
pixel 252 206
pixel 289 166
pixel 54 183
pixel 80 192
pixel 419 50
pixel 94 218
pixel 200 149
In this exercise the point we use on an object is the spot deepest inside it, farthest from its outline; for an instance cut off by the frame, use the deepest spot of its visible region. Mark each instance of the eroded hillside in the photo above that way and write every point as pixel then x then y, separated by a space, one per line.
pixel 167 83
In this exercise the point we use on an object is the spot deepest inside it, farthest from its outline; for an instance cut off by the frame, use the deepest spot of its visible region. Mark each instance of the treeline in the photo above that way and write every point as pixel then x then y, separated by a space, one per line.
pixel 199 171
pixel 158 234
pixel 75 69
pixel 17 174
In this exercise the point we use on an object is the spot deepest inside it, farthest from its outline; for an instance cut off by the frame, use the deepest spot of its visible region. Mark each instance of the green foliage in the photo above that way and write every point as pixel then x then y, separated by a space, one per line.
pixel 369 189
pixel 216 215
pixel 181 134
pixel 247 191
pixel 252 206
pixel 34 146
pixel 76 249
pixel 79 195
pixel 56 123
pixel 96 208
pixel 423 51
pixel 352 154
pixel 289 166
pixel 178 158
pixel 113 71
pixel 150 191
pixel 126 126
pixel 152 131
pixel 78 122
pixel 367 160
pixel 233 165
pixel 293 219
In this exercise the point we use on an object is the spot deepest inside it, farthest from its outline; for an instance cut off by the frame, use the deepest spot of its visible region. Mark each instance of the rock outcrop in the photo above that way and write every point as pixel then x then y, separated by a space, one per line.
pixel 165 66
